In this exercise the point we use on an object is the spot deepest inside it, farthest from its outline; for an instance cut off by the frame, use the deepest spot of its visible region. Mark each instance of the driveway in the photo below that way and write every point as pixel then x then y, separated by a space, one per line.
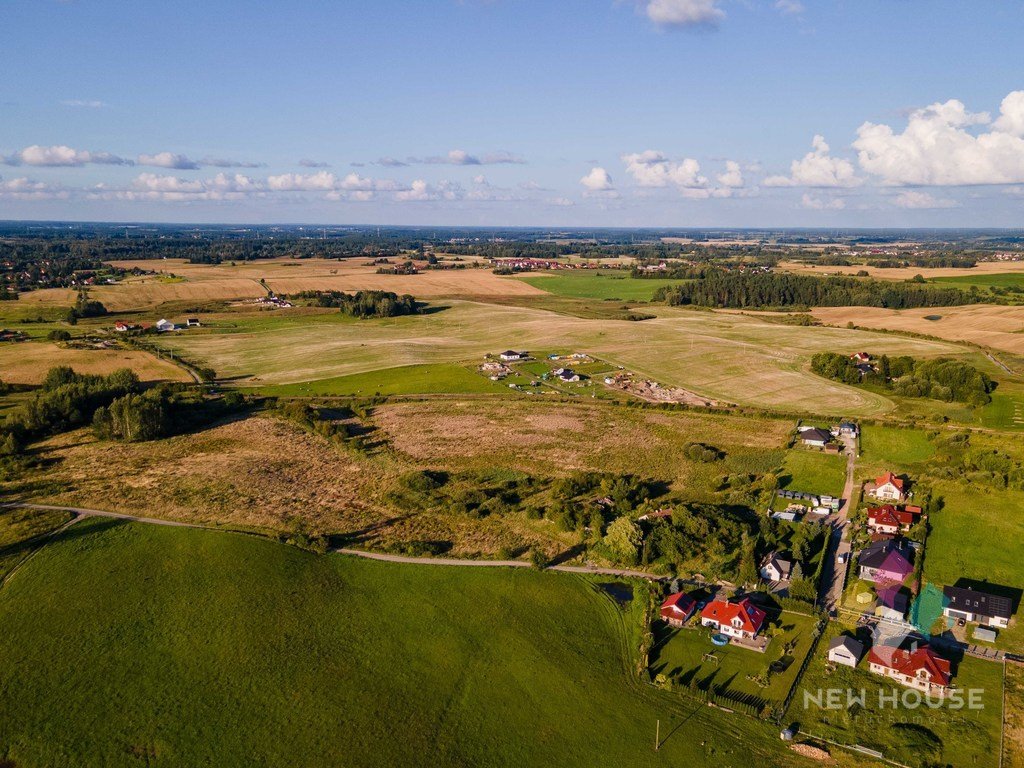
pixel 833 575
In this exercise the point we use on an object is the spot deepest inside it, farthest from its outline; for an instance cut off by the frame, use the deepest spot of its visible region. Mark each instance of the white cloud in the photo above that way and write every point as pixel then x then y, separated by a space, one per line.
pixel 168 160
pixel 321 181
pixel 791 7
pixel 822 204
pixel 733 176
pixel 27 189
pixel 915 200
pixel 87 103
pixel 61 156
pixel 941 146
pixel 421 191
pixel 597 180
pixel 454 157
pixel 220 162
pixel 561 202
pixel 817 169
pixel 652 169
pixel 307 163
pixel 684 13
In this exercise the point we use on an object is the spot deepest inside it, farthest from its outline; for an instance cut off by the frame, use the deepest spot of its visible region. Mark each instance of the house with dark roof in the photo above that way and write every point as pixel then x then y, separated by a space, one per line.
pixel 775 568
pixel 815 437
pixel 677 608
pixel 740 619
pixel 887 561
pixel 978 606
pixel 510 355
pixel 845 650
pixel 916 667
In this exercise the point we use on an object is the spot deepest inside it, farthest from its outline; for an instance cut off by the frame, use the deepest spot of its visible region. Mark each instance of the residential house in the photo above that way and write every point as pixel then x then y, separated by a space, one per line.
pixel 848 429
pixel 510 355
pixel 889 487
pixel 677 608
pixel 164 325
pixel 774 568
pixel 885 561
pixel 566 374
pixel 891 519
pixel 121 327
pixel 815 437
pixel 861 357
pixel 978 606
pixel 740 619
pixel 893 603
pixel 192 322
pixel 845 650
pixel 915 667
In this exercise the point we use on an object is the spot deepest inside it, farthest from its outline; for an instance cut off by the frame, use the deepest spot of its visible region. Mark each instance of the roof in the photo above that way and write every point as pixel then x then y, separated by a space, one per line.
pixel 888 555
pixel 910 662
pixel 678 605
pixel 887 514
pixel 751 617
pixel 976 601
pixel 815 434
pixel 855 647
pixel 782 565
pixel 887 478
pixel 511 353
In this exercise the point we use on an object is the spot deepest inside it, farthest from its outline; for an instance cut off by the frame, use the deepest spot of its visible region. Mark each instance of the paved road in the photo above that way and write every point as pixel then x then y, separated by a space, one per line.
pixel 833 576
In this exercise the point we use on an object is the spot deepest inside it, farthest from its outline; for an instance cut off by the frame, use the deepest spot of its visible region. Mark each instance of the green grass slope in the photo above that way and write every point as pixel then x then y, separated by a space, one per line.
pixel 127 644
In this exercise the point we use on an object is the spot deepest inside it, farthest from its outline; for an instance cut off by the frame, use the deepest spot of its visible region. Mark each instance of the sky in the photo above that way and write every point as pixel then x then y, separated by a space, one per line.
pixel 662 113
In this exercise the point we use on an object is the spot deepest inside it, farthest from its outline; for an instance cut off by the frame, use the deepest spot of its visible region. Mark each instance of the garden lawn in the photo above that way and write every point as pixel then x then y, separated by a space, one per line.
pixel 894 448
pixel 913 737
pixel 814 472
pixel 687 655
pixel 127 644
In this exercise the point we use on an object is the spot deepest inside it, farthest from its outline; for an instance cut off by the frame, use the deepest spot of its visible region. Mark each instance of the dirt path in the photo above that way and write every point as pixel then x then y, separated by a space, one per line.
pixel 84 512
pixel 833 577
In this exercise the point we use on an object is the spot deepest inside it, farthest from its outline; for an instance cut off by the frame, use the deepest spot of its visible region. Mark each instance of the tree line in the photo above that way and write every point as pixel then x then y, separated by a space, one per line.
pixel 939 378
pixel 363 303
pixel 718 288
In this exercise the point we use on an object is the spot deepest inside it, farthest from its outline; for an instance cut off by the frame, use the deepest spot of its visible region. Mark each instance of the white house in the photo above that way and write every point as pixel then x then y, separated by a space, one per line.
pixel 975 605
pixel 845 650
pixel 164 325
pixel 888 487
pixel 774 568
pixel 510 355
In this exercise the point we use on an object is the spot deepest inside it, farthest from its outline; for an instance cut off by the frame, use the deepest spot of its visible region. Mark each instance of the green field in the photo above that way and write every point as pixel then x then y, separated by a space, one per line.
pixel 440 378
pixel 1006 411
pixel 922 736
pixel 814 472
pixel 128 645
pixel 19 532
pixel 894 448
pixel 991 279
pixel 605 284
pixel 687 655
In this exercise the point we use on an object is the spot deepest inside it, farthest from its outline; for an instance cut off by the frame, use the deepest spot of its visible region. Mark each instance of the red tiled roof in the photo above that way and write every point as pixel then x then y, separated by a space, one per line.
pixel 724 612
pixel 889 477
pixel 887 514
pixel 911 662
pixel 677 606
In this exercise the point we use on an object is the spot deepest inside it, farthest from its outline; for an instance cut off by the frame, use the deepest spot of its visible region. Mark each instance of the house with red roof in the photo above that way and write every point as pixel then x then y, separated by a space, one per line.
pixel 677 608
pixel 915 667
pixel 892 519
pixel 740 619
pixel 889 487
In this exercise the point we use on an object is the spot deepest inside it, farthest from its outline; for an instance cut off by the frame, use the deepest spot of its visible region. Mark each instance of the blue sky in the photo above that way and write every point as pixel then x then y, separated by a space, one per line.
pixel 533 112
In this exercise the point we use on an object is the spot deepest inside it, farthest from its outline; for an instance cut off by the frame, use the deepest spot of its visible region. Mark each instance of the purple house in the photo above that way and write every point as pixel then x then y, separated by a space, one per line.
pixel 886 562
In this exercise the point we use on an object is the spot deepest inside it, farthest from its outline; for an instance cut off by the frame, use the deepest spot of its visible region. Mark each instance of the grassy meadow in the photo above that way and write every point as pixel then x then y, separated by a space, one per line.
pixel 610 285
pixel 814 472
pixel 127 644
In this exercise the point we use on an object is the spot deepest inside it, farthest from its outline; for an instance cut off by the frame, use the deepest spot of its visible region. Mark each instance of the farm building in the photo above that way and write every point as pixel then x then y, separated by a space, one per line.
pixel 917 667
pixel 510 355
pixel 165 325
pixel 975 605
pixel 740 619
pixel 677 608
pixel 845 650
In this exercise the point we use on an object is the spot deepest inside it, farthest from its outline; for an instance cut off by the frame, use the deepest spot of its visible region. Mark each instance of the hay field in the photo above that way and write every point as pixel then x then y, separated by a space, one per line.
pixel 904 273
pixel 207 282
pixel 28 362
pixel 535 436
pixel 993 326
pixel 728 357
